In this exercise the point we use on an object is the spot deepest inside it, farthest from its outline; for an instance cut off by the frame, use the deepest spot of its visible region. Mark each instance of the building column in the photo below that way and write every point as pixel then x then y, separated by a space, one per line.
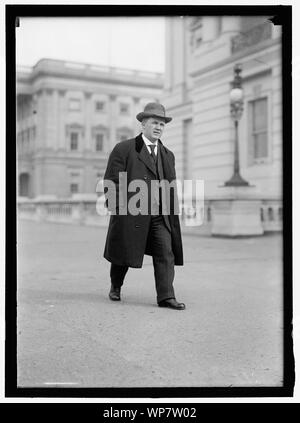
pixel 112 121
pixel 38 177
pixel 34 121
pixel 169 54
pixel 86 178
pixel 187 131
pixel 56 120
pixel 50 119
pixel 61 122
pixel 210 28
pixel 136 109
pixel 87 120
pixel 40 120
pixel 231 24
pixel 178 56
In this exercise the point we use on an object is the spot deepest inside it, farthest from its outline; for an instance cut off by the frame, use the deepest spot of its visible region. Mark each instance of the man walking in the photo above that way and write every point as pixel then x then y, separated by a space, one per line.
pixel 154 231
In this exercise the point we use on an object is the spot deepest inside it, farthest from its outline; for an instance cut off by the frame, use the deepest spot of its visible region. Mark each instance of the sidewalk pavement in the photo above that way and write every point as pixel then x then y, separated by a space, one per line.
pixel 71 335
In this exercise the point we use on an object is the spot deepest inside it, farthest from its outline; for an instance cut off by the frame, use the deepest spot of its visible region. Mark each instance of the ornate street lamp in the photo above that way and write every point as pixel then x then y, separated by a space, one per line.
pixel 236 111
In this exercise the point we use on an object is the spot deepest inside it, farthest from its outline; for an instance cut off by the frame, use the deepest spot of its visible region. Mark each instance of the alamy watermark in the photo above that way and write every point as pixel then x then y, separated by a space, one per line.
pixel 185 198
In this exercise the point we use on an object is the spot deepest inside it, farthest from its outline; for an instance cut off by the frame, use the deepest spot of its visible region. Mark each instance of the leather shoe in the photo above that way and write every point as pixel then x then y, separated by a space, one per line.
pixel 115 293
pixel 171 303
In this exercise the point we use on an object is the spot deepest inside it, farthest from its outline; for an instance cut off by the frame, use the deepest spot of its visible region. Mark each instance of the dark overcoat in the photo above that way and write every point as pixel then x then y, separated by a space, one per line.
pixel 126 241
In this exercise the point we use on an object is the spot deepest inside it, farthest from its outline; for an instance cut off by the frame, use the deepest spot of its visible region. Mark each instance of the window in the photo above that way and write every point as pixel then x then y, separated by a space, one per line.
pixel 208 214
pixel 74 104
pixel 124 109
pixel 74 141
pixel 258 120
pixel 99 106
pixel 73 188
pixel 99 142
pixel 100 137
pixel 24 106
pixel 74 136
pixel 75 179
pixel 270 214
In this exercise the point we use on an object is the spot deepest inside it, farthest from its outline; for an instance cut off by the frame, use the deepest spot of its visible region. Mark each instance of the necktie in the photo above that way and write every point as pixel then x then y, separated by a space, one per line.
pixel 157 189
pixel 152 147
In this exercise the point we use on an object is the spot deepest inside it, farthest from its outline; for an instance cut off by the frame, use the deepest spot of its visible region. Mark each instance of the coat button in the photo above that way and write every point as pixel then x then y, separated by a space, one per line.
pixel 137 226
pixel 145 177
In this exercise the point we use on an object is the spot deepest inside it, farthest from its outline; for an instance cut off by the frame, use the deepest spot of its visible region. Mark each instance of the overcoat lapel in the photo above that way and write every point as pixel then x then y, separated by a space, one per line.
pixel 143 154
pixel 167 165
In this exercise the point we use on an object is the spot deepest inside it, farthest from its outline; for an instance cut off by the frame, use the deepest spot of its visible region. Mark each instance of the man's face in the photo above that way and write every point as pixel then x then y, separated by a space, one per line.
pixel 153 128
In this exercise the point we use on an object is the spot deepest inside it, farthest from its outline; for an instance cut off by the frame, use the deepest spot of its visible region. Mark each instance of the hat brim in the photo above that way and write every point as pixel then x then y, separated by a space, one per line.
pixel 142 115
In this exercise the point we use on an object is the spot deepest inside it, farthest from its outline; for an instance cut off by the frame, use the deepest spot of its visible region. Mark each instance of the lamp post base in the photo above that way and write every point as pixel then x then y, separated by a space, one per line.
pixel 237 212
pixel 236 181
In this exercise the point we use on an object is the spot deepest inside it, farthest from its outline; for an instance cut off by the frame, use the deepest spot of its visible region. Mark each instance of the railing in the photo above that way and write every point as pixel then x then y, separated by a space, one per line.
pixel 70 211
pixel 49 65
pixel 271 215
pixel 92 212
pixel 252 37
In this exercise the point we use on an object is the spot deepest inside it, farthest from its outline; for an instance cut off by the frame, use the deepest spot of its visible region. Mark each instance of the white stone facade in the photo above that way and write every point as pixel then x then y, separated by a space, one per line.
pixel 200 56
pixel 69 117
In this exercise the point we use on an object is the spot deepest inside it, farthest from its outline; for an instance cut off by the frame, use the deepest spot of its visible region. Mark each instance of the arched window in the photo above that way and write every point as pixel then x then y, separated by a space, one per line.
pixel 100 135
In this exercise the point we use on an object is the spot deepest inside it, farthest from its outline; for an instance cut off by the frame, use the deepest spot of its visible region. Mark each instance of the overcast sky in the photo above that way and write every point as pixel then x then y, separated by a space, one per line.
pixel 136 43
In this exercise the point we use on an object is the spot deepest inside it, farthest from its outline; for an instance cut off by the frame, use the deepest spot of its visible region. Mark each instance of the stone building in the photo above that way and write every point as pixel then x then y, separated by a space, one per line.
pixel 200 56
pixel 69 116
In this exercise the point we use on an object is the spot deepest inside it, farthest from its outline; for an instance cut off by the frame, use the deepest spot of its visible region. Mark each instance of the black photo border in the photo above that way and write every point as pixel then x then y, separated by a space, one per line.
pixel 282 16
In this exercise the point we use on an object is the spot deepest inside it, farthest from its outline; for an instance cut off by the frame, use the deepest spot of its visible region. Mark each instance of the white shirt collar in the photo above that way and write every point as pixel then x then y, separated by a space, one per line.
pixel 148 142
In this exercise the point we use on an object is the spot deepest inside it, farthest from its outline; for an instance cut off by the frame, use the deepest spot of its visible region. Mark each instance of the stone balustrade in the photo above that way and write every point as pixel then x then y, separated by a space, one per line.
pixel 93 213
pixel 252 37
pixel 72 211
pixel 52 66
pixel 271 215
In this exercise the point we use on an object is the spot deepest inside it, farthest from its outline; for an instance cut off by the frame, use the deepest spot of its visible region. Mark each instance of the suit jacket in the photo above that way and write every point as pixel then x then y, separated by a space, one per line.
pixel 126 241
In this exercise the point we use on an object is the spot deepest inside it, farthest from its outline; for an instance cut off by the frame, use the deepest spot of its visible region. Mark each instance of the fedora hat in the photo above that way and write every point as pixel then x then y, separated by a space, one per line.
pixel 153 110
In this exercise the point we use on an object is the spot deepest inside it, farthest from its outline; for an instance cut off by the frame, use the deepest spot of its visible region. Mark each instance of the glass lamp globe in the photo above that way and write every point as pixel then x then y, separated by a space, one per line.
pixel 236 95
